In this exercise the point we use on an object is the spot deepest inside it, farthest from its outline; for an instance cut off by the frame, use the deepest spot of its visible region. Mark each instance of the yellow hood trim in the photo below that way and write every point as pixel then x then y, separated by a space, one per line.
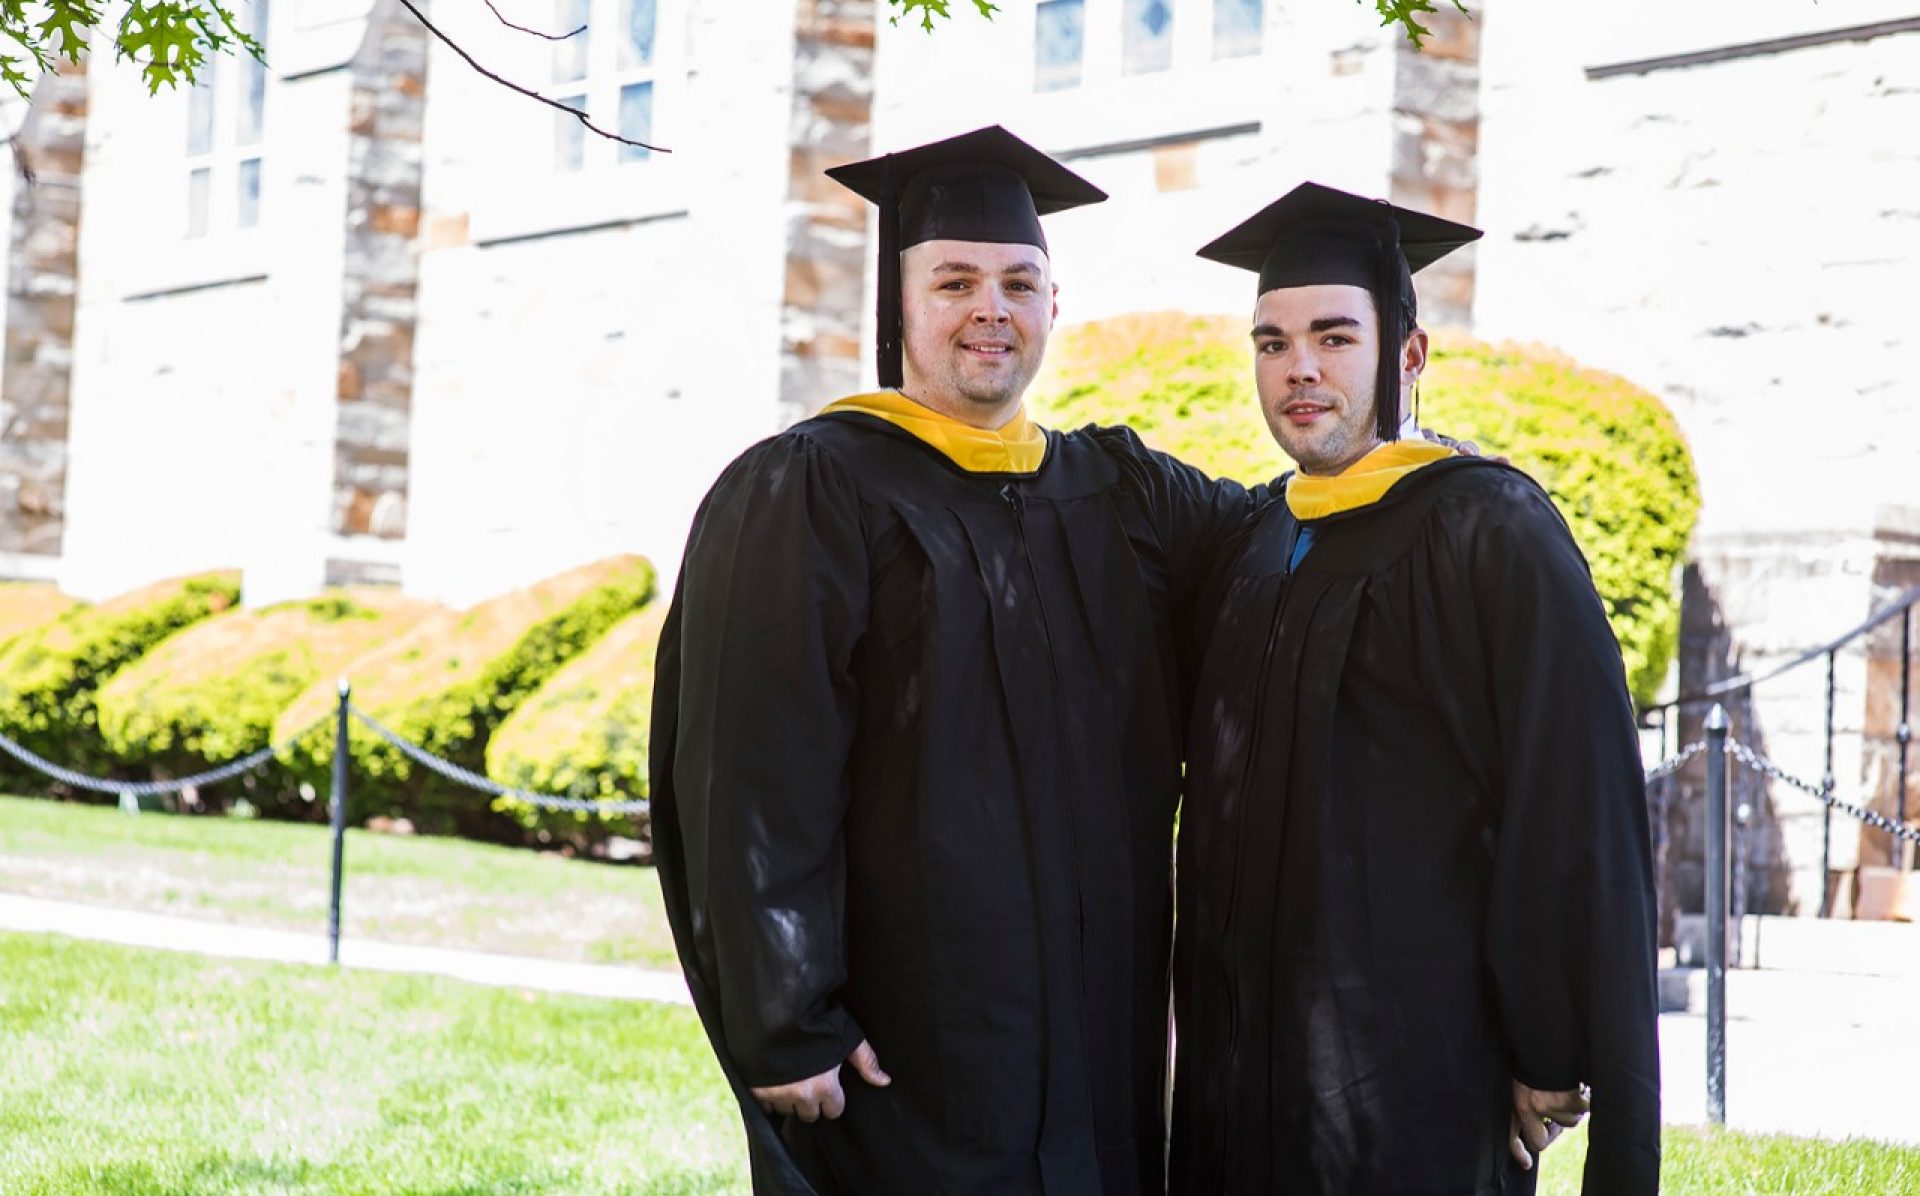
pixel 1364 482
pixel 1019 447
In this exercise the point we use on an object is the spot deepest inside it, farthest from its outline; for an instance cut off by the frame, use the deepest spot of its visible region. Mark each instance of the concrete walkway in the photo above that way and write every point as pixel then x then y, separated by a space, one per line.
pixel 135 929
pixel 1811 1054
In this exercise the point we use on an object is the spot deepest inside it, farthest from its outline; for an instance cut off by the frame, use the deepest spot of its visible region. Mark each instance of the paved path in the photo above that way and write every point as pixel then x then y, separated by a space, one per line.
pixel 137 929
pixel 1807 1054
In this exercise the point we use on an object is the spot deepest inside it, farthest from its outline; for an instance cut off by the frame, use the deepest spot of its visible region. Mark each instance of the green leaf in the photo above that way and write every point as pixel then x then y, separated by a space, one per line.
pixel 929 10
pixel 1406 14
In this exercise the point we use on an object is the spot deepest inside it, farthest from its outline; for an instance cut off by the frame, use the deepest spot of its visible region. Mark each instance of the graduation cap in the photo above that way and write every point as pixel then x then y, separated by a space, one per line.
pixel 987 185
pixel 1315 235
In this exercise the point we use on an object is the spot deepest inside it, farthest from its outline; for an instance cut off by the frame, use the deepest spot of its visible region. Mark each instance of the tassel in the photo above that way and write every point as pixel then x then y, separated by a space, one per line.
pixel 888 327
pixel 1393 335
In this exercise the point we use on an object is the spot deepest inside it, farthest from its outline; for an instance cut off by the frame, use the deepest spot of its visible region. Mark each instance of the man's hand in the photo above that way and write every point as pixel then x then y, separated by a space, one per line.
pixel 822 1096
pixel 1540 1117
pixel 1461 448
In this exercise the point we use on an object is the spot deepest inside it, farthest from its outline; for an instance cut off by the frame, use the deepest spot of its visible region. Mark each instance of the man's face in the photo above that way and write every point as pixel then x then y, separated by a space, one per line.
pixel 976 318
pixel 1316 350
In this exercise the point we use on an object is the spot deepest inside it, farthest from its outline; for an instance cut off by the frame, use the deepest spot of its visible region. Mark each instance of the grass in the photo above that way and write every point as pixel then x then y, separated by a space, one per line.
pixel 1696 1161
pixel 131 1071
pixel 403 889
pixel 148 1072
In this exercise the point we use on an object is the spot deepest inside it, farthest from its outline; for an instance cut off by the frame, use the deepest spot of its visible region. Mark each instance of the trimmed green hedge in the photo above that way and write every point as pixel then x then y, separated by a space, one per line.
pixel 1608 452
pixel 50 677
pixel 25 605
pixel 448 683
pixel 212 692
pixel 584 734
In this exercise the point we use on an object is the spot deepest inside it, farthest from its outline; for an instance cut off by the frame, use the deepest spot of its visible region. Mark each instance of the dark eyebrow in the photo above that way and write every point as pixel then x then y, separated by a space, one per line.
pixel 1323 324
pixel 957 267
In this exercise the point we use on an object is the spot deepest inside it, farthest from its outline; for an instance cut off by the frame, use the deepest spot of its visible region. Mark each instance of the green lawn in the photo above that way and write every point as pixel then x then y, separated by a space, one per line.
pixel 399 888
pixel 1702 1162
pixel 129 1071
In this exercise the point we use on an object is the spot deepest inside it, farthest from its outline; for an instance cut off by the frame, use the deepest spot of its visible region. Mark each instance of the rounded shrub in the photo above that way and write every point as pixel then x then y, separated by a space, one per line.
pixel 212 692
pixel 1609 453
pixel 51 676
pixel 27 605
pixel 584 734
pixel 448 683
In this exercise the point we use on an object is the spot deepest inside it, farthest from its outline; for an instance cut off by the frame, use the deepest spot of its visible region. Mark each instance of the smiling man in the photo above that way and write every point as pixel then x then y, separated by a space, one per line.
pixel 915 751
pixel 1416 900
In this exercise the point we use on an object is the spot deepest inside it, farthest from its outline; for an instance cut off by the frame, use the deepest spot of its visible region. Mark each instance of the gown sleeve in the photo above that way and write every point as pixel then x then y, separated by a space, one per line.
pixel 1199 523
pixel 1570 932
pixel 773 598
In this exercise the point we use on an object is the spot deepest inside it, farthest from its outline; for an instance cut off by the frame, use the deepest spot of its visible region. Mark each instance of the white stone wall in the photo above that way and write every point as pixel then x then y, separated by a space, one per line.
pixel 593 348
pixel 1320 92
pixel 204 371
pixel 1739 237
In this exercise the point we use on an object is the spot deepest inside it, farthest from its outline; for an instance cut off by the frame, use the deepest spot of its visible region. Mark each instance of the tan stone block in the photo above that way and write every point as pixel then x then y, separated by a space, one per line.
pixel 1452 36
pixel 348 387
pixel 448 232
pixel 803 284
pixel 1176 167
pixel 1883 694
pixel 826 345
pixel 394 218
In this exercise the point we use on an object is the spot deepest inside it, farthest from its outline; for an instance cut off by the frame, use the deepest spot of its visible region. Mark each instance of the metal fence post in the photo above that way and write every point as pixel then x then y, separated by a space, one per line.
pixel 1826 813
pixel 1717 880
pixel 339 820
pixel 1904 733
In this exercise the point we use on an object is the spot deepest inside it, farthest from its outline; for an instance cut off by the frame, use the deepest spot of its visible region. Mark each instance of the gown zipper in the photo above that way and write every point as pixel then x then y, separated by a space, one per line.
pixel 1246 780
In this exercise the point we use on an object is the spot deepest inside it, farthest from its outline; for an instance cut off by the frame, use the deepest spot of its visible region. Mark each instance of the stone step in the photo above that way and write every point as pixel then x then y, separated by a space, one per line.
pixel 1827 946
pixel 1824 998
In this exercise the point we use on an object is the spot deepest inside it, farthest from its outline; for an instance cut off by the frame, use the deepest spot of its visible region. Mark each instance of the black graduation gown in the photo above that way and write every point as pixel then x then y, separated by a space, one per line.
pixel 915 762
pixel 1414 860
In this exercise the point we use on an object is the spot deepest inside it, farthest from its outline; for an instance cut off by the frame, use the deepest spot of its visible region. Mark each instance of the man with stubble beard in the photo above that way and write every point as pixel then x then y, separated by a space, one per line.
pixel 1416 897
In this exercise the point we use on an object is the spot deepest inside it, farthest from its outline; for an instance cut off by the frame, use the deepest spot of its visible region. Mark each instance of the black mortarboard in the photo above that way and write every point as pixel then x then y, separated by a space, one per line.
pixel 987 185
pixel 1315 235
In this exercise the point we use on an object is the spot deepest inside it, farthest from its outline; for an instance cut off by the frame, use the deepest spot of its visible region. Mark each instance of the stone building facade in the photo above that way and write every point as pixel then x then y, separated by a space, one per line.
pixel 367 315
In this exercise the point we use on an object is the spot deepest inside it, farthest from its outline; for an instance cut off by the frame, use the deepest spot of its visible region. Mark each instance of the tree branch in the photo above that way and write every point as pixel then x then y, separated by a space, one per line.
pixel 585 120
pixel 552 37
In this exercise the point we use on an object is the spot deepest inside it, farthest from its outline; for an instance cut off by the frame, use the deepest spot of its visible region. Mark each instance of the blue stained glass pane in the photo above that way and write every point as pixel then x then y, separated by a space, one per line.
pixel 249 209
pixel 570 54
pixel 1059 44
pixel 1237 26
pixel 636 120
pixel 642 22
pixel 1146 36
pixel 200 115
pixel 569 137
pixel 199 192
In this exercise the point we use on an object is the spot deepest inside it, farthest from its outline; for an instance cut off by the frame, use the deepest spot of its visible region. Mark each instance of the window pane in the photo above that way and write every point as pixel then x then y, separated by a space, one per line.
pixel 570 55
pixel 1237 27
pixel 199 191
pixel 253 75
pixel 569 136
pixel 1059 44
pixel 1146 36
pixel 200 114
pixel 253 101
pixel 636 120
pixel 640 24
pixel 249 210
